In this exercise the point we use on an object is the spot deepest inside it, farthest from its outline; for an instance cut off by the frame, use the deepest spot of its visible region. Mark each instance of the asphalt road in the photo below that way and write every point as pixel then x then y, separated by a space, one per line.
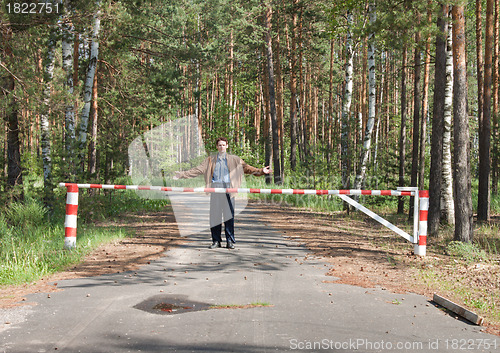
pixel 166 307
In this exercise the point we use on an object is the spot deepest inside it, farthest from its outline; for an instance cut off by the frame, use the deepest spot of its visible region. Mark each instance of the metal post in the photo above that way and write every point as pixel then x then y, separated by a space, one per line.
pixel 420 248
pixel 71 216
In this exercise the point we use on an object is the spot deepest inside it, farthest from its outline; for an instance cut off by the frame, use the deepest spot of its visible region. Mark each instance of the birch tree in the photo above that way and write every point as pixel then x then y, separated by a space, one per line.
pixel 447 202
pixel 44 117
pixel 89 81
pixel 67 65
pixel 346 103
pixel 365 153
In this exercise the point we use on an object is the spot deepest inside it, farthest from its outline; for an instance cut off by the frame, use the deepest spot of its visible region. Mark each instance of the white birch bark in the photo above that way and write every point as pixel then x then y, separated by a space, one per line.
pixel 367 140
pixel 377 129
pixel 89 82
pixel 447 204
pixel 44 116
pixel 346 105
pixel 67 64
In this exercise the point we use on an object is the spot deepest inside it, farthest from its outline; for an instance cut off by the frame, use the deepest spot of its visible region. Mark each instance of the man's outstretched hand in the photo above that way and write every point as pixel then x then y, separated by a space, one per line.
pixel 267 170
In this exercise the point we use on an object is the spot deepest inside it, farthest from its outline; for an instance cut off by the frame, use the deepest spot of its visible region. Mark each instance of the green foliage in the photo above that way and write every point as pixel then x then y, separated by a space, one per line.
pixel 466 251
pixel 495 203
pixel 32 246
pixel 25 216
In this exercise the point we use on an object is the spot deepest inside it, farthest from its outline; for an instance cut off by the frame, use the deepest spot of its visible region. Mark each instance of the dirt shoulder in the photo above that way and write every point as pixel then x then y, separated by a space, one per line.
pixel 358 250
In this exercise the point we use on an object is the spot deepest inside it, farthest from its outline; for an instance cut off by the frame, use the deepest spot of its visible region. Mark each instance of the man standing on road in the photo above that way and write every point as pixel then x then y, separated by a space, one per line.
pixel 222 170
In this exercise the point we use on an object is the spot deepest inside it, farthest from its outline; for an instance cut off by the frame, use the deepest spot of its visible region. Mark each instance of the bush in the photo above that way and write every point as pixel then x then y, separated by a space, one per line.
pixel 27 214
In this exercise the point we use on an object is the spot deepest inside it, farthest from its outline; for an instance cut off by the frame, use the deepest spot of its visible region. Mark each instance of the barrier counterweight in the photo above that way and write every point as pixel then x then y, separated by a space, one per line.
pixel 419 238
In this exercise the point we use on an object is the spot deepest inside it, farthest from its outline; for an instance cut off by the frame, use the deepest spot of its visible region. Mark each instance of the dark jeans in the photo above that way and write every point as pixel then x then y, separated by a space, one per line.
pixel 221 210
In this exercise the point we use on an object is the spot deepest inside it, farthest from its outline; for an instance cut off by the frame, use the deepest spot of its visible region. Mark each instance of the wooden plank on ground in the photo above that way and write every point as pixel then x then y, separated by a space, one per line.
pixel 457 309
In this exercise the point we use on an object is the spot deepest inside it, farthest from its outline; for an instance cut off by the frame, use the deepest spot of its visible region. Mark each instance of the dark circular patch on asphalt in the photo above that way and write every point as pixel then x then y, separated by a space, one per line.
pixel 168 305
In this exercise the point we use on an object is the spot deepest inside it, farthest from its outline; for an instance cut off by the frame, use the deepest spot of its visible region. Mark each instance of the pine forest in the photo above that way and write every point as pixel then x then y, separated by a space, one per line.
pixel 373 94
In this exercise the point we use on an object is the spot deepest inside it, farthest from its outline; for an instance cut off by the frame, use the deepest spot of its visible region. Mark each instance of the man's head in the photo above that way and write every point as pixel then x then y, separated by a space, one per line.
pixel 222 144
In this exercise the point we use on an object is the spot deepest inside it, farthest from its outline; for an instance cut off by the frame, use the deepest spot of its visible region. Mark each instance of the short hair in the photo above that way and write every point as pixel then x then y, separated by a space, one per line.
pixel 221 139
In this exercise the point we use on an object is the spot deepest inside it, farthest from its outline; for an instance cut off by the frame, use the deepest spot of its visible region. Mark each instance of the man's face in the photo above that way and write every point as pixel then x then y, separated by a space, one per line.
pixel 222 146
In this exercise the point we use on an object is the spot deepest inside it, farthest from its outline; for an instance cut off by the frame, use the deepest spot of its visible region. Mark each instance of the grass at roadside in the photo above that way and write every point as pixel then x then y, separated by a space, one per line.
pixel 32 246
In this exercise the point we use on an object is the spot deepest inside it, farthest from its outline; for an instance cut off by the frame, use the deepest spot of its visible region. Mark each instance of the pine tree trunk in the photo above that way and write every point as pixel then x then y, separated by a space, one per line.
pixel 199 118
pixel 330 118
pixel 479 62
pixel 279 100
pixel 402 134
pixel 425 104
pixel 293 90
pixel 483 201
pixel 436 169
pixel 258 110
pixel 267 134
pixel 495 102
pixel 461 152
pixel 346 105
pixel 416 119
pixel 14 169
pixel 301 111
pixel 14 174
pixel 272 98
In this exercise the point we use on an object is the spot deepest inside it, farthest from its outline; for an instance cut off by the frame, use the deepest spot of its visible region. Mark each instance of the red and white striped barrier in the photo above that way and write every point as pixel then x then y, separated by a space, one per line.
pixel 420 248
pixel 71 216
pixel 419 237
pixel 244 190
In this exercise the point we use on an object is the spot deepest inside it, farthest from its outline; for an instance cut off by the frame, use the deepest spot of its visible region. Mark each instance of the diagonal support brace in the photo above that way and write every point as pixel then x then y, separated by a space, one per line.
pixel 376 217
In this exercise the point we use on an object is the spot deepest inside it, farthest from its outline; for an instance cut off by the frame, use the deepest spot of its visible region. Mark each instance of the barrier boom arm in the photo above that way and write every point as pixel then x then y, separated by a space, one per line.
pixel 419 237
pixel 244 190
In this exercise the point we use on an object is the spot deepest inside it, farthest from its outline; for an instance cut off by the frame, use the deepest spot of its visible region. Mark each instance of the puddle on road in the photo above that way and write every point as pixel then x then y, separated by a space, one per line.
pixel 165 304
pixel 169 305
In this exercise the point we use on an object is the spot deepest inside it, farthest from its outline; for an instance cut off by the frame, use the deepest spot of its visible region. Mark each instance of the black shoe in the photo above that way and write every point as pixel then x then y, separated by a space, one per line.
pixel 230 245
pixel 216 244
